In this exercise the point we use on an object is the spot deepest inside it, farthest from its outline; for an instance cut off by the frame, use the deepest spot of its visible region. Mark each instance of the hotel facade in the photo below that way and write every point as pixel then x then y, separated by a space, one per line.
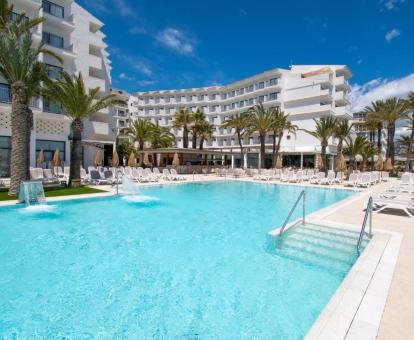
pixel 305 92
pixel 75 35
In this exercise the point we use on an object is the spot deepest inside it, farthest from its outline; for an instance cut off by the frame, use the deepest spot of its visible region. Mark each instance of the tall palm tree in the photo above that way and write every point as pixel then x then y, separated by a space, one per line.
pixel 161 137
pixel 260 120
pixel 21 68
pixel 280 124
pixel 372 118
pixel 140 132
pixel 205 132
pixel 355 147
pixel 77 102
pixel 367 152
pixel 199 119
pixel 239 123
pixel 183 119
pixel 342 131
pixel 406 144
pixel 410 109
pixel 324 129
pixel 391 110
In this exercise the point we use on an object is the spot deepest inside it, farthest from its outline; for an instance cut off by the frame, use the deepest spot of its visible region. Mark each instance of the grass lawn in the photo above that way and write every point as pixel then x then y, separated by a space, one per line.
pixel 56 192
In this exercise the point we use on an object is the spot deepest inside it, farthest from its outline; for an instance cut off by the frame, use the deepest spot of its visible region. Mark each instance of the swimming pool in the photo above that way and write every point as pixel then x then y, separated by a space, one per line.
pixel 195 263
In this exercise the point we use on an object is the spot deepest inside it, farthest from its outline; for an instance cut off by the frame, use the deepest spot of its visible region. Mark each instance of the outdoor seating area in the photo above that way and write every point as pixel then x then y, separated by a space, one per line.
pixel 399 197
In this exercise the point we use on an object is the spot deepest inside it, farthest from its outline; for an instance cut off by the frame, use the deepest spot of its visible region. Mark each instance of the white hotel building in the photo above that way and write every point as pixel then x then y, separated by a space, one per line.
pixel 304 92
pixel 75 35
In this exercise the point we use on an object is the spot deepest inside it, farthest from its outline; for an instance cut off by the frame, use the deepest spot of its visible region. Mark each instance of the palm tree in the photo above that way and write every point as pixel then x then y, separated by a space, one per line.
pixel 280 124
pixel 406 144
pixel 161 137
pixel 199 119
pixel 354 147
pixel 342 131
pixel 390 111
pixel 183 119
pixel 77 102
pixel 367 152
pixel 205 132
pixel 410 108
pixel 325 128
pixel 21 68
pixel 260 120
pixel 239 123
pixel 8 17
pixel 372 114
pixel 140 132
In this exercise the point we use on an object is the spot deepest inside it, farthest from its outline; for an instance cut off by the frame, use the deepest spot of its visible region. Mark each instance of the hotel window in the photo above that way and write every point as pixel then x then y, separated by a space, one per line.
pixel 273 81
pixel 13 17
pixel 189 98
pixel 273 96
pixel 5 94
pixel 261 85
pixel 5 152
pixel 223 108
pixel 251 88
pixel 157 100
pixel 251 101
pixel 178 99
pixel 54 72
pixel 224 96
pixel 233 105
pixel 167 99
pixel 53 9
pixel 241 104
pixel 52 39
pixel 49 147
pixel 233 93
pixel 51 107
pixel 261 99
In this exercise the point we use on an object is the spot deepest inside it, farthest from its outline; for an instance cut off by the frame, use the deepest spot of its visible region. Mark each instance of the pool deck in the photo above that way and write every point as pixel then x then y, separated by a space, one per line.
pixel 398 314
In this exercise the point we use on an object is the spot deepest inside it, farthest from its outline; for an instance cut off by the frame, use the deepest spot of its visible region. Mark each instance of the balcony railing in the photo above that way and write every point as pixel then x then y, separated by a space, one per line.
pixel 6 97
pixel 53 9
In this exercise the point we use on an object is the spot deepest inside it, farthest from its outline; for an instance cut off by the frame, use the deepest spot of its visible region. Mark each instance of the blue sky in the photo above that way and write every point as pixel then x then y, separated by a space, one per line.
pixel 177 44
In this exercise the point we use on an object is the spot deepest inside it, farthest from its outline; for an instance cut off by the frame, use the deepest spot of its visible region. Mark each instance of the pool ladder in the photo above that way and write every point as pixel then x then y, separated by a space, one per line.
pixel 367 217
pixel 302 196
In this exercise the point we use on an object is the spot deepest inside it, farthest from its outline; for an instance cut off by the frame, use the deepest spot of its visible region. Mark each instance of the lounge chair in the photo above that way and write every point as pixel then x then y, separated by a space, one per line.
pixel 406 179
pixel 364 180
pixel 385 176
pixel 84 176
pixel 156 173
pixel 49 178
pixel 329 180
pixel 96 178
pixel 352 180
pixel 175 176
pixel 166 174
pixel 318 178
pixel 405 205
pixel 36 174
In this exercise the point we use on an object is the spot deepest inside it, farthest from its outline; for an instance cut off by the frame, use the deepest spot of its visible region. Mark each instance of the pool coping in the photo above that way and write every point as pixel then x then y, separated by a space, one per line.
pixel 355 309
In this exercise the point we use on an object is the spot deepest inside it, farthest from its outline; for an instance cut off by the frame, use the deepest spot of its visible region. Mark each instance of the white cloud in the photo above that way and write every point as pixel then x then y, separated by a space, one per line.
pixel 360 61
pixel 109 7
pixel 391 35
pixel 146 82
pixel 390 5
pixel 363 95
pixel 139 65
pixel 176 41
pixel 124 76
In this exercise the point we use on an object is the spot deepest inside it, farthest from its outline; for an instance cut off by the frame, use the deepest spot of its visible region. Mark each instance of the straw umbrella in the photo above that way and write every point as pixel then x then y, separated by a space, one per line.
pixel 176 160
pixel 379 165
pixel 98 158
pixel 132 161
pixel 41 158
pixel 146 159
pixel 321 163
pixel 56 160
pixel 115 159
pixel 388 165
pixel 279 163
pixel 340 163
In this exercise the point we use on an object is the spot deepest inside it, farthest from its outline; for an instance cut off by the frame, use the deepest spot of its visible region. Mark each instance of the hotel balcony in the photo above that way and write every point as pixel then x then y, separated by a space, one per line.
pixel 340 98
pixel 306 94
pixel 321 110
pixel 341 83
pixel 95 62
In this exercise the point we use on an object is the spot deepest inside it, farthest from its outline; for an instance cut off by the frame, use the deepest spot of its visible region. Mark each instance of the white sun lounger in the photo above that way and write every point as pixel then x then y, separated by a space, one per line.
pixel 352 180
pixel 406 206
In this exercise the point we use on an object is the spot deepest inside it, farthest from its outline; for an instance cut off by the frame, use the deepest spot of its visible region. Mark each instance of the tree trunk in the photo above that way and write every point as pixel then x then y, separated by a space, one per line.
pixel 371 140
pixel 76 153
pixel 185 137
pixel 390 139
pixel 262 151
pixel 274 149
pixel 201 143
pixel 379 139
pixel 241 150
pixel 20 137
pixel 141 155
pixel 324 144
pixel 278 146
pixel 410 146
pixel 194 139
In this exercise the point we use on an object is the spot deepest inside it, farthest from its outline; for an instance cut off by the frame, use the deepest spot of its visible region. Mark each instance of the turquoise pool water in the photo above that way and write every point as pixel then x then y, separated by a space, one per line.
pixel 197 263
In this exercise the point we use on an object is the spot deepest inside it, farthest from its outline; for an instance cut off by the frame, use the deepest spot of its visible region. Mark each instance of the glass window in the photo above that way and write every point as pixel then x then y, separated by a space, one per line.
pixel 51 107
pixel 49 147
pixel 5 152
pixel 13 17
pixel 53 9
pixel 273 96
pixel 5 94
pixel 52 39
pixel 273 81
pixel 261 85
pixel 54 72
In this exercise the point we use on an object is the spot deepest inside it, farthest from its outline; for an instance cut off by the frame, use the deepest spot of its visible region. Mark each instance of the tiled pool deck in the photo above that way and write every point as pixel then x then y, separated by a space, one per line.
pixel 352 315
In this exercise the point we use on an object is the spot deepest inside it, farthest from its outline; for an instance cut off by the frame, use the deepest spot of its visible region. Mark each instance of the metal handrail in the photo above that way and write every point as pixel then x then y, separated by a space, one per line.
pixel 301 195
pixel 368 216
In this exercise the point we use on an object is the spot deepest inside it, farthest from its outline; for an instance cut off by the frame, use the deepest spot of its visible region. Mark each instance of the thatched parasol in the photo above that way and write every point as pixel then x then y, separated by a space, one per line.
pixel 40 158
pixel 176 160
pixel 279 163
pixel 132 161
pixel 56 158
pixel 146 159
pixel 98 158
pixel 340 163
pixel 115 159
pixel 321 163
pixel 388 165
pixel 379 165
